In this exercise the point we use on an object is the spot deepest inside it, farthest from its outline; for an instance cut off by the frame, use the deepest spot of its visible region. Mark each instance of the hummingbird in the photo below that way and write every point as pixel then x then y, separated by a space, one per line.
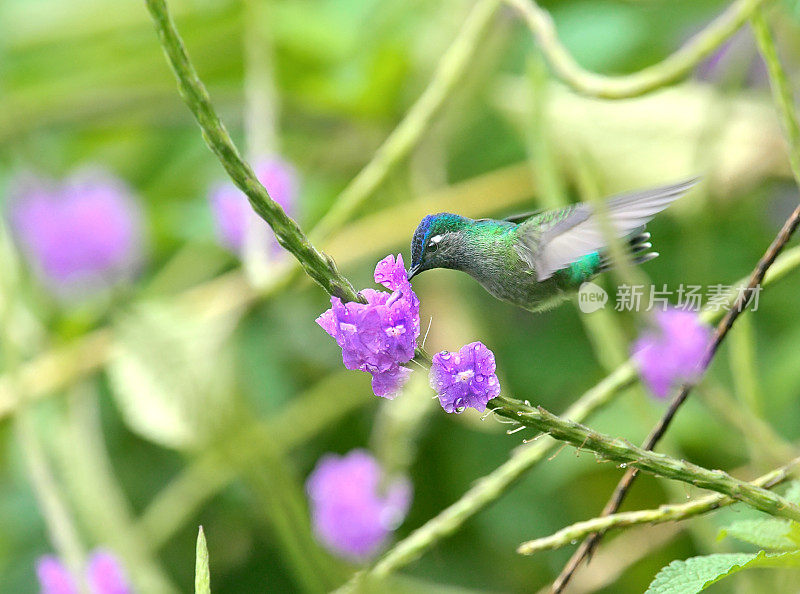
pixel 535 260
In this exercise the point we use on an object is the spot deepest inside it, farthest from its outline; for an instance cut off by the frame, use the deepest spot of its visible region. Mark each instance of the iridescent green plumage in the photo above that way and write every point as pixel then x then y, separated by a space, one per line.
pixel 537 261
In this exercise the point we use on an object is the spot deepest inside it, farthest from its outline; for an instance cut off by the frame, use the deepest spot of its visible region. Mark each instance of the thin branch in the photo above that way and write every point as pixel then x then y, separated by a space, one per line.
pixel 50 372
pixel 785 104
pixel 664 513
pixel 633 85
pixel 781 90
pixel 491 487
pixel 658 431
pixel 619 450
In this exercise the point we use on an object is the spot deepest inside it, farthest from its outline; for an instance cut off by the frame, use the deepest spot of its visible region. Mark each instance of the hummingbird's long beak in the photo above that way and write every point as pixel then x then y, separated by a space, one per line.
pixel 413 271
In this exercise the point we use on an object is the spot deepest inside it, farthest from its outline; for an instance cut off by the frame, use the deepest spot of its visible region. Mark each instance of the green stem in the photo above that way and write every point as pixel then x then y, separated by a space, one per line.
pixel 63 533
pixel 489 488
pixel 618 450
pixel 665 513
pixel 449 72
pixel 781 90
pixel 261 97
pixel 492 486
pixel 280 500
pixel 49 373
pixel 633 85
pixel 317 265
pixel 100 502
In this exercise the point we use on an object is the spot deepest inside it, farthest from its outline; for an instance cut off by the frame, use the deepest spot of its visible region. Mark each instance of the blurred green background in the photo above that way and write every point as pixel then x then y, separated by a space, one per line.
pixel 322 83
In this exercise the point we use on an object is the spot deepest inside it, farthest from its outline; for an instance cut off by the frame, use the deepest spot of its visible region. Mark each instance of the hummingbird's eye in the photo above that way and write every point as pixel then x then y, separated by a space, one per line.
pixel 433 245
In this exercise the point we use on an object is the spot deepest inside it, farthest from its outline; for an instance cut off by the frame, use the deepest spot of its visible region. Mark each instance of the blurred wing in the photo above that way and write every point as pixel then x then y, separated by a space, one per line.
pixel 580 231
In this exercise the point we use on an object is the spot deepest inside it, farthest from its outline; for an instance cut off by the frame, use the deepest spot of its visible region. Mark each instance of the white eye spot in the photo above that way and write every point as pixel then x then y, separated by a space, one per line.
pixel 436 239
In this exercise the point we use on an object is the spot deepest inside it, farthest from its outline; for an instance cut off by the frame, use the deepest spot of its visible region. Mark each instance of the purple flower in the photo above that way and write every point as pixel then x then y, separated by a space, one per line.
pixel 378 336
pixel 351 513
pixel 465 378
pixel 54 578
pixel 82 235
pixel 672 353
pixel 233 214
pixel 104 575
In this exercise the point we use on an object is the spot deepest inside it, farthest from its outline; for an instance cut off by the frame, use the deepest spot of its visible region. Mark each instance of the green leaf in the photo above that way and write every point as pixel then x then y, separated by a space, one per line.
pixel 170 374
pixel 771 533
pixel 202 574
pixel 697 573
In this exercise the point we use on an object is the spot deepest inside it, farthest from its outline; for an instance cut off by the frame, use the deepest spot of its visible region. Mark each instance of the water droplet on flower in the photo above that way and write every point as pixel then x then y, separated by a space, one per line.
pixel 445 355
pixel 479 379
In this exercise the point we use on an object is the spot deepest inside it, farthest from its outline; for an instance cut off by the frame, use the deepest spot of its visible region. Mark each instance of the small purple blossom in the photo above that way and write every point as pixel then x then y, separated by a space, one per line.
pixel 352 515
pixel 104 575
pixel 233 214
pixel 465 378
pixel 54 577
pixel 379 335
pixel 672 353
pixel 82 235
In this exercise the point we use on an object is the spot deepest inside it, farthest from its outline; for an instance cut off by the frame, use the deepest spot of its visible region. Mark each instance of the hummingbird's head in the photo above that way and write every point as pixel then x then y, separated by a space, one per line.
pixel 436 242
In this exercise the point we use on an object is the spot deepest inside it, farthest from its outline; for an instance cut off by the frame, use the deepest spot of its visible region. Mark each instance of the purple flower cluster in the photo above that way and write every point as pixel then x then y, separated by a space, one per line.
pixel 465 378
pixel 352 515
pixel 672 353
pixel 82 235
pixel 104 575
pixel 233 215
pixel 380 335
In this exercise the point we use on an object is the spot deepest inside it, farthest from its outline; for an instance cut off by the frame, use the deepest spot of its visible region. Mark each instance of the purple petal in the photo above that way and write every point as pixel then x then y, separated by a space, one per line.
pixel 673 352
pixel 391 273
pixel 381 334
pixel 54 578
pixel 466 378
pixel 80 236
pixel 327 321
pixel 105 575
pixel 349 513
pixel 387 384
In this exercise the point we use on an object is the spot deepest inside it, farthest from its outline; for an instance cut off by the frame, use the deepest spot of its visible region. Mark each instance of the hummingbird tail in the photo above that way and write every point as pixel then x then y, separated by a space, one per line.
pixel 639 245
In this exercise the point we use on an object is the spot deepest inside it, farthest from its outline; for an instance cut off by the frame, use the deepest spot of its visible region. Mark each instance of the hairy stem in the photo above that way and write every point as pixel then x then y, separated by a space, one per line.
pixel 633 85
pixel 619 450
pixel 316 264
pixel 785 104
pixel 664 513
pixel 724 326
pixel 491 487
